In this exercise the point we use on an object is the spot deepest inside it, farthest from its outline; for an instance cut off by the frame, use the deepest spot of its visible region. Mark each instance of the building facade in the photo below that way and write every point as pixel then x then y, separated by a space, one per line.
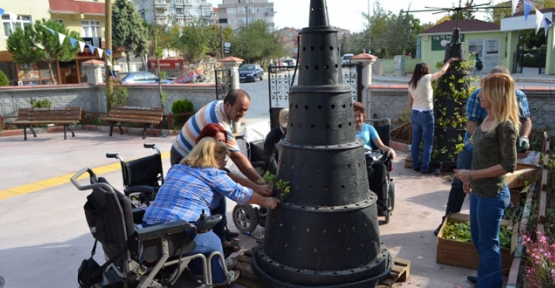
pixel 175 12
pixel 240 13
pixel 85 17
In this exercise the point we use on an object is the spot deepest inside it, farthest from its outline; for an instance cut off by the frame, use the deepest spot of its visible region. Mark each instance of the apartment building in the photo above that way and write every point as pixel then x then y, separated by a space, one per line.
pixel 240 13
pixel 175 12
pixel 85 17
pixel 17 14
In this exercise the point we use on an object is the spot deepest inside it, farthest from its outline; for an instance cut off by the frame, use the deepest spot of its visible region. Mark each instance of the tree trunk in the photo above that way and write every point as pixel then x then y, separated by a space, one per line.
pixel 54 80
pixel 127 58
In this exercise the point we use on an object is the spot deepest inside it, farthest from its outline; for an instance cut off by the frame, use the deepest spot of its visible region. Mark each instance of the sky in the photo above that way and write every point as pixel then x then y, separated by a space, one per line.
pixel 347 13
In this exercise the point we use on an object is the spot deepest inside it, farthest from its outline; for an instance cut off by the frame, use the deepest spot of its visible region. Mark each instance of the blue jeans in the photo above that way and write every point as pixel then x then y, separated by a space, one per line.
pixel 485 223
pixel 456 194
pixel 422 123
pixel 207 243
pixel 219 229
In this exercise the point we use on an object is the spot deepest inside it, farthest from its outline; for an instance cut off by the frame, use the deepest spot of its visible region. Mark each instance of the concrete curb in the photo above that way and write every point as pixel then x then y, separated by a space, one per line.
pixel 126 130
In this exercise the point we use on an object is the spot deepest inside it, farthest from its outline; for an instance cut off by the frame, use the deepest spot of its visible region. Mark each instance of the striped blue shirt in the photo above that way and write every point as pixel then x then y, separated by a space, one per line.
pixel 475 112
pixel 188 190
pixel 213 112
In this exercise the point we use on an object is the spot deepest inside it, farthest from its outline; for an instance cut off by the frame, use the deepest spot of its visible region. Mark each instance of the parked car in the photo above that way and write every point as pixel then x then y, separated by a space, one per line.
pixel 142 77
pixel 291 63
pixel 250 72
pixel 346 59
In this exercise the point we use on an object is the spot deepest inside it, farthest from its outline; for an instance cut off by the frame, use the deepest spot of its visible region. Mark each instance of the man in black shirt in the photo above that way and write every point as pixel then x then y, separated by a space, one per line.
pixel 273 137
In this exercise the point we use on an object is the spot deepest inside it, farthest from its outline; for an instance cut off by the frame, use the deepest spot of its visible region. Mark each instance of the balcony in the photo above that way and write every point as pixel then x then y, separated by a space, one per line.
pixel 161 3
pixel 179 3
pixel 76 7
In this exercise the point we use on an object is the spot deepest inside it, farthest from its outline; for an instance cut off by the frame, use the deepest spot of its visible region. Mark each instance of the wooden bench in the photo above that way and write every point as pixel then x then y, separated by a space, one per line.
pixel 149 116
pixel 64 116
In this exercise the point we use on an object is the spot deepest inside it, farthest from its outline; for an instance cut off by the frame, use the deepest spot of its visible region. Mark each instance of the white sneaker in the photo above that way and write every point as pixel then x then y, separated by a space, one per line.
pixel 230 263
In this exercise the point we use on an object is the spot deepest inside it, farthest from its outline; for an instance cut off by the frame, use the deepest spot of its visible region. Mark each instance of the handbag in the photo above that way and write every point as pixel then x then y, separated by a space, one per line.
pixel 89 273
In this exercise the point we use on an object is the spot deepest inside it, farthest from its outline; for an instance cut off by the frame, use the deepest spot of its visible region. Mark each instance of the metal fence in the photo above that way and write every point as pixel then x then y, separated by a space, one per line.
pixel 223 82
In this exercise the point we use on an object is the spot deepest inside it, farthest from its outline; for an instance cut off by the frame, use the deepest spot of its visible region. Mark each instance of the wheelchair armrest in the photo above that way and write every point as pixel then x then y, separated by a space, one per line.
pixel 138 214
pixel 140 188
pixel 157 231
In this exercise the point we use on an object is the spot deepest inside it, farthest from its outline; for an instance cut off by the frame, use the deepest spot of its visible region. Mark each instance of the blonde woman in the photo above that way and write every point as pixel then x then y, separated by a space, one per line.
pixel 494 155
pixel 197 183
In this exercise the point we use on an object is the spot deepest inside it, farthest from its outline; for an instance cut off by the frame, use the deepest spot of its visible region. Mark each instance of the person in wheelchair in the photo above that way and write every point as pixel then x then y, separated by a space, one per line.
pixel 271 154
pixel 218 133
pixel 368 133
pixel 377 166
pixel 198 183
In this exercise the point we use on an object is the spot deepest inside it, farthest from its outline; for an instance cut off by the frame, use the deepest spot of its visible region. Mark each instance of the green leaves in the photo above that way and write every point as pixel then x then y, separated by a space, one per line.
pixel 460 231
pixel 283 187
pixel 127 28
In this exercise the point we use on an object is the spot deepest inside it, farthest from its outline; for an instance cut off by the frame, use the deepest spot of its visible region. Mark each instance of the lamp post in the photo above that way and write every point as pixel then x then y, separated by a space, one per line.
pixel 108 42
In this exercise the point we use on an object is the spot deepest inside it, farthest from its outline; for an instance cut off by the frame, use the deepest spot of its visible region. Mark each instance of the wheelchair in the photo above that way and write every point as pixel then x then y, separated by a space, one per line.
pixel 247 217
pixel 141 177
pixel 155 256
pixel 379 166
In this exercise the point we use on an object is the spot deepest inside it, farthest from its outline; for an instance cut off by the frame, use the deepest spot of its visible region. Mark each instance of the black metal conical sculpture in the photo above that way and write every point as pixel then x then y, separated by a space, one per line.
pixel 325 233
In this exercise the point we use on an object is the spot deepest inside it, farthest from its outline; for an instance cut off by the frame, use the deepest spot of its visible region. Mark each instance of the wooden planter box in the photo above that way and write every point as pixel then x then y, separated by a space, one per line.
pixel 463 254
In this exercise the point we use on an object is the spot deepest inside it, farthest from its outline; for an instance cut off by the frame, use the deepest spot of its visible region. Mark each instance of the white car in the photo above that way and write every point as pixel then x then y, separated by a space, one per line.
pixel 346 59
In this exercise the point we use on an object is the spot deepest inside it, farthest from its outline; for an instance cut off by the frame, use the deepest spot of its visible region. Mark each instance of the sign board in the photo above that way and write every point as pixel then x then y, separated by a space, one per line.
pixel 440 41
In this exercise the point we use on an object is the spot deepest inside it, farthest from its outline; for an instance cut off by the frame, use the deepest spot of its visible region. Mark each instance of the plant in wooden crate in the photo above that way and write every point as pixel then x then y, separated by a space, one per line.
pixel 450 94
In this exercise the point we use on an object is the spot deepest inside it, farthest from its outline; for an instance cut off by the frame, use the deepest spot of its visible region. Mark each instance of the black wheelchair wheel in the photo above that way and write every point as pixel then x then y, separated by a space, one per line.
pixel 391 195
pixel 245 218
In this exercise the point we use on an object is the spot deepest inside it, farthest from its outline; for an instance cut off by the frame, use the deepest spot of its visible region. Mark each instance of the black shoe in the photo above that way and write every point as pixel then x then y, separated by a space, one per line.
pixel 472 279
pixel 427 172
pixel 416 169
pixel 231 235
pixel 437 230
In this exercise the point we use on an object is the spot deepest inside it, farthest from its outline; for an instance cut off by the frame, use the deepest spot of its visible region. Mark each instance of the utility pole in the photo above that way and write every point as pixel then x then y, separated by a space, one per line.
pixel 221 43
pixel 155 30
pixel 108 42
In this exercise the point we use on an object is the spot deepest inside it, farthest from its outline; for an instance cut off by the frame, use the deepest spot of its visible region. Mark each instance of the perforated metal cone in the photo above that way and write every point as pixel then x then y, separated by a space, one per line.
pixel 325 233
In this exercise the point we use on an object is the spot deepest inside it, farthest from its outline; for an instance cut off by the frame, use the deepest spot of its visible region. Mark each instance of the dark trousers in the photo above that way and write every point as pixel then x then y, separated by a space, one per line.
pixel 377 180
pixel 456 194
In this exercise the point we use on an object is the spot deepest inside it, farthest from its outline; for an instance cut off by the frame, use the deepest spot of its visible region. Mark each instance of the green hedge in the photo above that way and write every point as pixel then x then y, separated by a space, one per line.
pixel 180 107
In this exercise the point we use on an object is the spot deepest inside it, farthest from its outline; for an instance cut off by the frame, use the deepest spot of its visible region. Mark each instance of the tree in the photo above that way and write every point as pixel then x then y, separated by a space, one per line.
pixel 22 44
pixel 215 38
pixel 47 35
pixel 390 34
pixel 254 43
pixel 127 28
pixel 193 42
pixel 463 13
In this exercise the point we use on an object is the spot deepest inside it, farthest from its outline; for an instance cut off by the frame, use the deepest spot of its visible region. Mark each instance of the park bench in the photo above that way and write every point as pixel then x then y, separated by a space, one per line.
pixel 34 116
pixel 149 116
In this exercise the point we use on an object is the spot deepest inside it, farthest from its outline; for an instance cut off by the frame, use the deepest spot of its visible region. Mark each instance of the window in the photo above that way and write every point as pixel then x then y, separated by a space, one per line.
pixel 241 10
pixel 17 21
pixel 91 28
pixel 250 20
pixel 269 9
pixel 232 21
pixel 241 20
pixel 241 1
pixel 250 10
pixel 231 10
pixel 269 19
pixel 179 10
pixel 259 9
pixel 59 21
pixel 205 11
